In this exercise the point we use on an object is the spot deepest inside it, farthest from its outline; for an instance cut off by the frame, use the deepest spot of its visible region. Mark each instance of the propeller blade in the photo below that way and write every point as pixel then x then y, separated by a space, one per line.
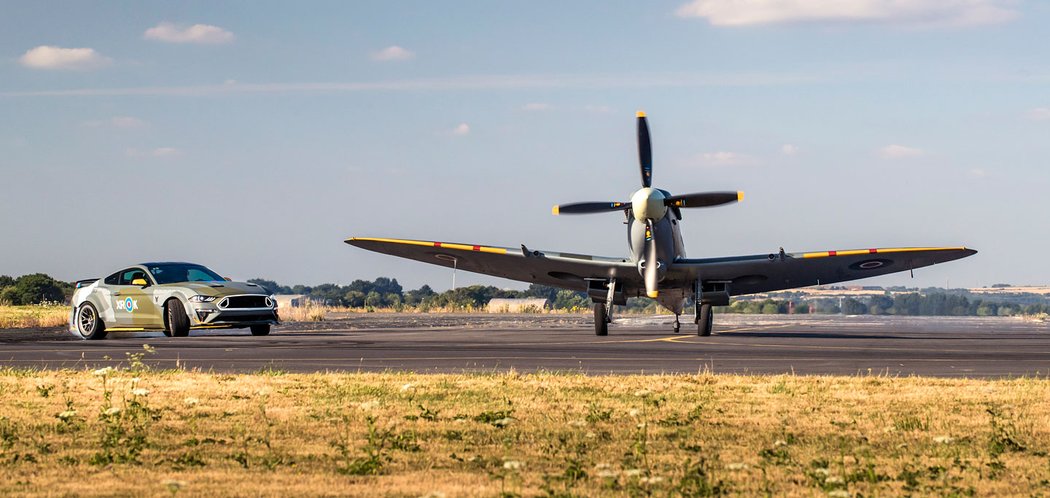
pixel 703 199
pixel 645 151
pixel 652 265
pixel 589 207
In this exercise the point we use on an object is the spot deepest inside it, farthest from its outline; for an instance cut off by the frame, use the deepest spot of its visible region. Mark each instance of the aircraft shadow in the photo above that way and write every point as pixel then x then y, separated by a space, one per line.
pixel 810 335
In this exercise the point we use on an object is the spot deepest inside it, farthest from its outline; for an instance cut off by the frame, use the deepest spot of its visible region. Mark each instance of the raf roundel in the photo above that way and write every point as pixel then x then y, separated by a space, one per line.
pixel 870 264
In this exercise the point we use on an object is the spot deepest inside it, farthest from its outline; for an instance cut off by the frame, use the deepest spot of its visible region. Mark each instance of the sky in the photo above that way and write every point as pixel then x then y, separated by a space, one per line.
pixel 255 136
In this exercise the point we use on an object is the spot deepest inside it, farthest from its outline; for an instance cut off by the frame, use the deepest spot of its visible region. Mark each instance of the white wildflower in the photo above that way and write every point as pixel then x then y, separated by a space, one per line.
pixel 642 425
pixel 191 401
pixel 503 422
pixel 512 464
pixel 779 442
pixel 368 406
pixel 102 372
pixel 943 439
pixel 634 412
pixel 148 348
pixel 407 387
pixel 135 380
pixel 641 393
pixel 834 480
pixel 112 411
pixel 632 472
pixel 67 415
pixel 823 472
pixel 736 466
pixel 140 392
pixel 651 480
pixel 590 435
pixel 838 493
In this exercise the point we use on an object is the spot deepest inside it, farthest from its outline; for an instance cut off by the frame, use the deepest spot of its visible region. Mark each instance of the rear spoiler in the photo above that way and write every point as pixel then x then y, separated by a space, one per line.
pixel 84 283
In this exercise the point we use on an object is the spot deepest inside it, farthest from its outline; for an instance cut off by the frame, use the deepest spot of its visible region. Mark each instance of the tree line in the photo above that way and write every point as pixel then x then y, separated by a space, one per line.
pixel 383 292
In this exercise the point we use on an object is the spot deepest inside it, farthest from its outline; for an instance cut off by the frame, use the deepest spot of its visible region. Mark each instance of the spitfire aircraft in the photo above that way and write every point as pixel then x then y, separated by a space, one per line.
pixel 658 266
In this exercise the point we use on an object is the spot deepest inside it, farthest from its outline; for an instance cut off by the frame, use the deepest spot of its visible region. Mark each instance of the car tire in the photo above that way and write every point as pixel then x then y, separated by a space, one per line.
pixel 88 324
pixel 178 320
pixel 263 329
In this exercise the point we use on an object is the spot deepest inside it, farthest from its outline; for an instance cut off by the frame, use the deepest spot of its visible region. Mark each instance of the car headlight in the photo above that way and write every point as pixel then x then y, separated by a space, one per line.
pixel 202 299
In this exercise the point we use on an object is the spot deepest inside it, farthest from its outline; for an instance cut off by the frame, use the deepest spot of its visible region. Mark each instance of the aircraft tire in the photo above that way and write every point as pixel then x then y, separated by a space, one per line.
pixel 601 321
pixel 263 329
pixel 89 325
pixel 705 325
pixel 178 320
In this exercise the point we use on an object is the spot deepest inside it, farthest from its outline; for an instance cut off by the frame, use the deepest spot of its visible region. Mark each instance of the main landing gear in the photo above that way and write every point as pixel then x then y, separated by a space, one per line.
pixel 677 324
pixel 601 319
pixel 704 320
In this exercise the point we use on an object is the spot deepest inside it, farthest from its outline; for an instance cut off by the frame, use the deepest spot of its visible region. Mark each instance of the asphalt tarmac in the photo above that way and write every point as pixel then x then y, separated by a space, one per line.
pixel 803 345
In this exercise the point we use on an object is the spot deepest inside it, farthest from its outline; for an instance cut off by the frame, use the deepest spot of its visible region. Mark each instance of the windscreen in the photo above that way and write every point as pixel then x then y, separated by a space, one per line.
pixel 171 273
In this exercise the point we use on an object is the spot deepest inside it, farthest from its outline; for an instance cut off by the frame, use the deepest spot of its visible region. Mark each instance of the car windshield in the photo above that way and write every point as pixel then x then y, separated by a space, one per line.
pixel 170 273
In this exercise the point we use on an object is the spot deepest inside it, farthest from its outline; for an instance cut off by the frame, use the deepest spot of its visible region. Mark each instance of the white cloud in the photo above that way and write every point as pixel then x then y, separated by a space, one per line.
pixel 117 122
pixel 197 33
pixel 158 152
pixel 393 53
pixel 459 83
pixel 922 13
pixel 723 158
pixel 1039 114
pixel 49 57
pixel 462 129
pixel 789 150
pixel 536 106
pixel 900 152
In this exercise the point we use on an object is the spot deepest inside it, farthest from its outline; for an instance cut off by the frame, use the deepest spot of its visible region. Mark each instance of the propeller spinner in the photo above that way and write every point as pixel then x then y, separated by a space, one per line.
pixel 649 205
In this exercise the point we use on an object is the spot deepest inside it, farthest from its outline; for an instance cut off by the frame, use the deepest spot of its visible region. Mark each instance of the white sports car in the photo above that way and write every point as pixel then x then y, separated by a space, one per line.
pixel 169 297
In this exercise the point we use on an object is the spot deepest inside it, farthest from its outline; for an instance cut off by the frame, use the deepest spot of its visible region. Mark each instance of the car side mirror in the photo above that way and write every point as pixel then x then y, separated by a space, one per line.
pixel 228 279
pixel 141 282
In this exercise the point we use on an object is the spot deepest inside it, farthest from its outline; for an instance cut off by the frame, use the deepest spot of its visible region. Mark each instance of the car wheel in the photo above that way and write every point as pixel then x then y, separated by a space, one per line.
pixel 89 325
pixel 178 320
pixel 263 329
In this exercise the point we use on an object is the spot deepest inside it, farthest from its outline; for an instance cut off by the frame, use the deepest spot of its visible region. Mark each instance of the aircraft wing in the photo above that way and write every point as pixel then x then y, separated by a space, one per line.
pixel 778 271
pixel 542 267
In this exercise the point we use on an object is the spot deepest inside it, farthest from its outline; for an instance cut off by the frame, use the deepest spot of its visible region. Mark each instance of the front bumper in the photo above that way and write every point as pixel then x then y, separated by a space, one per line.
pixel 212 316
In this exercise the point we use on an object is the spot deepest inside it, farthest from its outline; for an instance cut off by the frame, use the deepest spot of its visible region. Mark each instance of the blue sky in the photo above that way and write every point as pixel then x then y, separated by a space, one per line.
pixel 255 136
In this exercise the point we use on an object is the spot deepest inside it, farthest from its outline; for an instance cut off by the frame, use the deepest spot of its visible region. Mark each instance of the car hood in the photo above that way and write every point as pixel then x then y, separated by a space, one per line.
pixel 220 288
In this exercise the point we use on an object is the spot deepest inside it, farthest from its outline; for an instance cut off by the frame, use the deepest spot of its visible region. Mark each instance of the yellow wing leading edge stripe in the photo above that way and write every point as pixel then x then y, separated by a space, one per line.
pixel 857 252
pixel 443 245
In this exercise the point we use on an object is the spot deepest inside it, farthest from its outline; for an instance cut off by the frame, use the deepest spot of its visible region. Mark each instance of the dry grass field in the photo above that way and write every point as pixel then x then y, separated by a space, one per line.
pixel 133 432
pixel 35 316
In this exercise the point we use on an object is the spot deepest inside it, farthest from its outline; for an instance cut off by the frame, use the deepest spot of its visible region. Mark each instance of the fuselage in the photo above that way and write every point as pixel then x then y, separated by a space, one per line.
pixel 667 245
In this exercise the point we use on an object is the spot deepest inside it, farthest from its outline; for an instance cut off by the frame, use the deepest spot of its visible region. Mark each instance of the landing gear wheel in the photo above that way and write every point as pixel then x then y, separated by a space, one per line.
pixel 677 324
pixel 89 325
pixel 705 324
pixel 263 329
pixel 601 320
pixel 178 320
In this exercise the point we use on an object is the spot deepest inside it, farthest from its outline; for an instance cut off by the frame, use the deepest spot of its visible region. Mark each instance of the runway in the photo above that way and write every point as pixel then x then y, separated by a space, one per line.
pixel 804 345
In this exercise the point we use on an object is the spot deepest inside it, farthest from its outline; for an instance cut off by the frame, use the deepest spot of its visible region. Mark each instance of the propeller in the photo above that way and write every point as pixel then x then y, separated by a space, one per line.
pixel 649 205
pixel 651 270
pixel 645 151
pixel 703 199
